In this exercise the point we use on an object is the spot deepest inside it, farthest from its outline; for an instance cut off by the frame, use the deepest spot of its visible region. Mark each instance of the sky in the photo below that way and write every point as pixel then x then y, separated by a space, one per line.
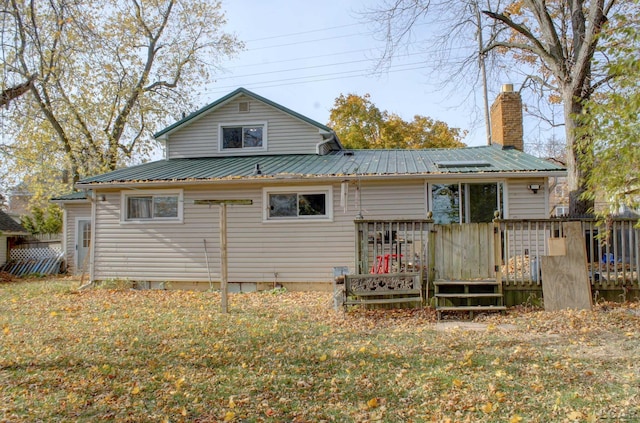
pixel 304 54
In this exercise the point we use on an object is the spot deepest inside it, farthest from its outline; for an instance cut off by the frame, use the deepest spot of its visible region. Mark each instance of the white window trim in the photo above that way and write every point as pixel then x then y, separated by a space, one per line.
pixel 265 130
pixel 142 193
pixel 316 189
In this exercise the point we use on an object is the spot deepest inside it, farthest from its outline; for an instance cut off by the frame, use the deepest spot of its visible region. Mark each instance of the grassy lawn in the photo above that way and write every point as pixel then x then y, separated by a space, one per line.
pixel 128 355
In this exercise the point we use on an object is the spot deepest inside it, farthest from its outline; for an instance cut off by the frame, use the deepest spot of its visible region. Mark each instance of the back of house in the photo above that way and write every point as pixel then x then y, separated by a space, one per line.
pixel 154 223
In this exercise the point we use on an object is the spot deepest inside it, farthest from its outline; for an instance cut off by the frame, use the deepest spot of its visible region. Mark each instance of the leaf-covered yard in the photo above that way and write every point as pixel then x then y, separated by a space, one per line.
pixel 129 355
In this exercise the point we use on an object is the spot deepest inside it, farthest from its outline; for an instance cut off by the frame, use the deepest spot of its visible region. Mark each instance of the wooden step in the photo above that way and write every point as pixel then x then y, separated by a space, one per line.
pixel 470 283
pixel 468 295
pixel 471 308
pixel 399 300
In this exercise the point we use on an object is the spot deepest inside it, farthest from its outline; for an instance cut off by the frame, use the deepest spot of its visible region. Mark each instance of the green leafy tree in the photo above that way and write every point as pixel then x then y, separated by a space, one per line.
pixel 610 147
pixel 109 74
pixel 554 44
pixel 43 221
pixel 357 121
pixel 361 125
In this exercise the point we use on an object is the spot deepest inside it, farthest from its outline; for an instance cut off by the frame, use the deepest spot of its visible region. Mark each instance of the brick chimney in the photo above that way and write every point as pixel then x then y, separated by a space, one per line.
pixel 506 119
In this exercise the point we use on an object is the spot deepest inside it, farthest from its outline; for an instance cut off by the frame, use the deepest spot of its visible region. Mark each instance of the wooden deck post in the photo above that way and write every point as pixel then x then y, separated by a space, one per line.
pixel 223 259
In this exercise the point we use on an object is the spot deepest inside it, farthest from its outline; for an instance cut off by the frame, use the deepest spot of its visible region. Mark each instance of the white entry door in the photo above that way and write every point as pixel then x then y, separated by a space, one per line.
pixel 83 242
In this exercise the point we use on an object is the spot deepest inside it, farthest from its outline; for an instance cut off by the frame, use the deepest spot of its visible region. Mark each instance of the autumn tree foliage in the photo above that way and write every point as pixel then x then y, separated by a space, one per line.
pixel 610 132
pixel 109 74
pixel 360 124
pixel 555 44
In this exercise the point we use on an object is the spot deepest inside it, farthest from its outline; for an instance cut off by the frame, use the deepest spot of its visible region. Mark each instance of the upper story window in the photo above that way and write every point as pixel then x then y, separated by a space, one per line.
pixel 235 137
pixel 304 203
pixel 152 206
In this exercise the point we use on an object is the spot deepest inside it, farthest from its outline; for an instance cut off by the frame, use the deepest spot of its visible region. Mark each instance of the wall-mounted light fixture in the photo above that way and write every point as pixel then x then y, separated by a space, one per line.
pixel 534 187
pixel 102 197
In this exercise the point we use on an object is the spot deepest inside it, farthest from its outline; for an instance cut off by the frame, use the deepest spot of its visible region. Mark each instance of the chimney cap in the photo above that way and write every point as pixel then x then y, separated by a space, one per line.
pixel 507 88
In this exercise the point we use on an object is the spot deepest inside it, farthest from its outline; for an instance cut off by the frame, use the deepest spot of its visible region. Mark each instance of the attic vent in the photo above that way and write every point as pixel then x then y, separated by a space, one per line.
pixel 463 163
pixel 243 107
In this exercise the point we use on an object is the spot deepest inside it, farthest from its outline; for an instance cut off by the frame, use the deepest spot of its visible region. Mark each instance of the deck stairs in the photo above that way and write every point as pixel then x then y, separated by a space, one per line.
pixel 470 296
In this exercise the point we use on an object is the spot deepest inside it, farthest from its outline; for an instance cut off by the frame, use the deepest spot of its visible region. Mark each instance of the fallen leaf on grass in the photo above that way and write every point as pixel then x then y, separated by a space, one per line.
pixel 575 415
pixel 489 407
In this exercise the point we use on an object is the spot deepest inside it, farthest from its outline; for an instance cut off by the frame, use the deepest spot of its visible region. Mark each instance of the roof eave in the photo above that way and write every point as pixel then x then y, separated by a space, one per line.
pixel 306 178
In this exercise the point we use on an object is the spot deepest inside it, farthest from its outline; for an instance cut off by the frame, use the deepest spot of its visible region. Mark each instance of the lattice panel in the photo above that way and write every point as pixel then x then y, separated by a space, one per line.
pixel 21 254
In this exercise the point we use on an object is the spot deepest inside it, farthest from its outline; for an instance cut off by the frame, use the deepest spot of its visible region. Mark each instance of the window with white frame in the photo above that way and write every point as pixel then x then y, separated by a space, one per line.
pixel 151 206
pixel 235 137
pixel 464 202
pixel 313 203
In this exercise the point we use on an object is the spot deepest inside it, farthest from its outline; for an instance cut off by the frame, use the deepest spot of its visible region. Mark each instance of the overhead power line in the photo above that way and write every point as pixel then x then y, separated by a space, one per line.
pixel 302 32
pixel 299 81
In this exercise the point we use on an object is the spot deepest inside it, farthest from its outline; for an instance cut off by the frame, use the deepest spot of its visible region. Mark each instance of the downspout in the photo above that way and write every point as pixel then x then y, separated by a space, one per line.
pixel 321 143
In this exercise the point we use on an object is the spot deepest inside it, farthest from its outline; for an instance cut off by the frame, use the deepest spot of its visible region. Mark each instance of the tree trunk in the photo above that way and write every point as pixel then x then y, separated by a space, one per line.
pixel 576 175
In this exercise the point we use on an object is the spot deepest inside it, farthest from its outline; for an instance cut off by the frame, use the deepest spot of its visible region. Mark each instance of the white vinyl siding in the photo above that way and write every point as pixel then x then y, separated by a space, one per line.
pixel 522 203
pixel 390 200
pixel 285 134
pixel 257 251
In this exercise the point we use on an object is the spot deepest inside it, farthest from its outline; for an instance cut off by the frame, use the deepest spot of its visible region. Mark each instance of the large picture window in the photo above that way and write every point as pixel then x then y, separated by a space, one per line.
pixel 140 206
pixel 234 137
pixel 465 203
pixel 293 204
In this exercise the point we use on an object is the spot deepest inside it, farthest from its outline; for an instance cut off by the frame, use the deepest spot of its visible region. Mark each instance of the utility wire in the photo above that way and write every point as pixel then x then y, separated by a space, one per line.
pixel 354 34
pixel 302 68
pixel 302 32
pixel 287 82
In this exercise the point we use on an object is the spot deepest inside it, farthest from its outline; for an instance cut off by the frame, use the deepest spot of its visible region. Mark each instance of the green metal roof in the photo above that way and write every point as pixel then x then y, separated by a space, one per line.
pixel 72 196
pixel 469 160
pixel 230 96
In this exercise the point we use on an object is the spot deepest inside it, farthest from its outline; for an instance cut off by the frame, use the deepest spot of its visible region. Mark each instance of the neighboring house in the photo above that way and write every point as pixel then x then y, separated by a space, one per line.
pixel 143 222
pixel 10 230
pixel 558 193
pixel 18 199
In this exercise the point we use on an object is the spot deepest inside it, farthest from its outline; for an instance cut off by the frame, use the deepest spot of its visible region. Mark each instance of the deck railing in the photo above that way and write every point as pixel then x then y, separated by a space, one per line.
pixel 392 246
pixel 407 245
pixel 613 250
